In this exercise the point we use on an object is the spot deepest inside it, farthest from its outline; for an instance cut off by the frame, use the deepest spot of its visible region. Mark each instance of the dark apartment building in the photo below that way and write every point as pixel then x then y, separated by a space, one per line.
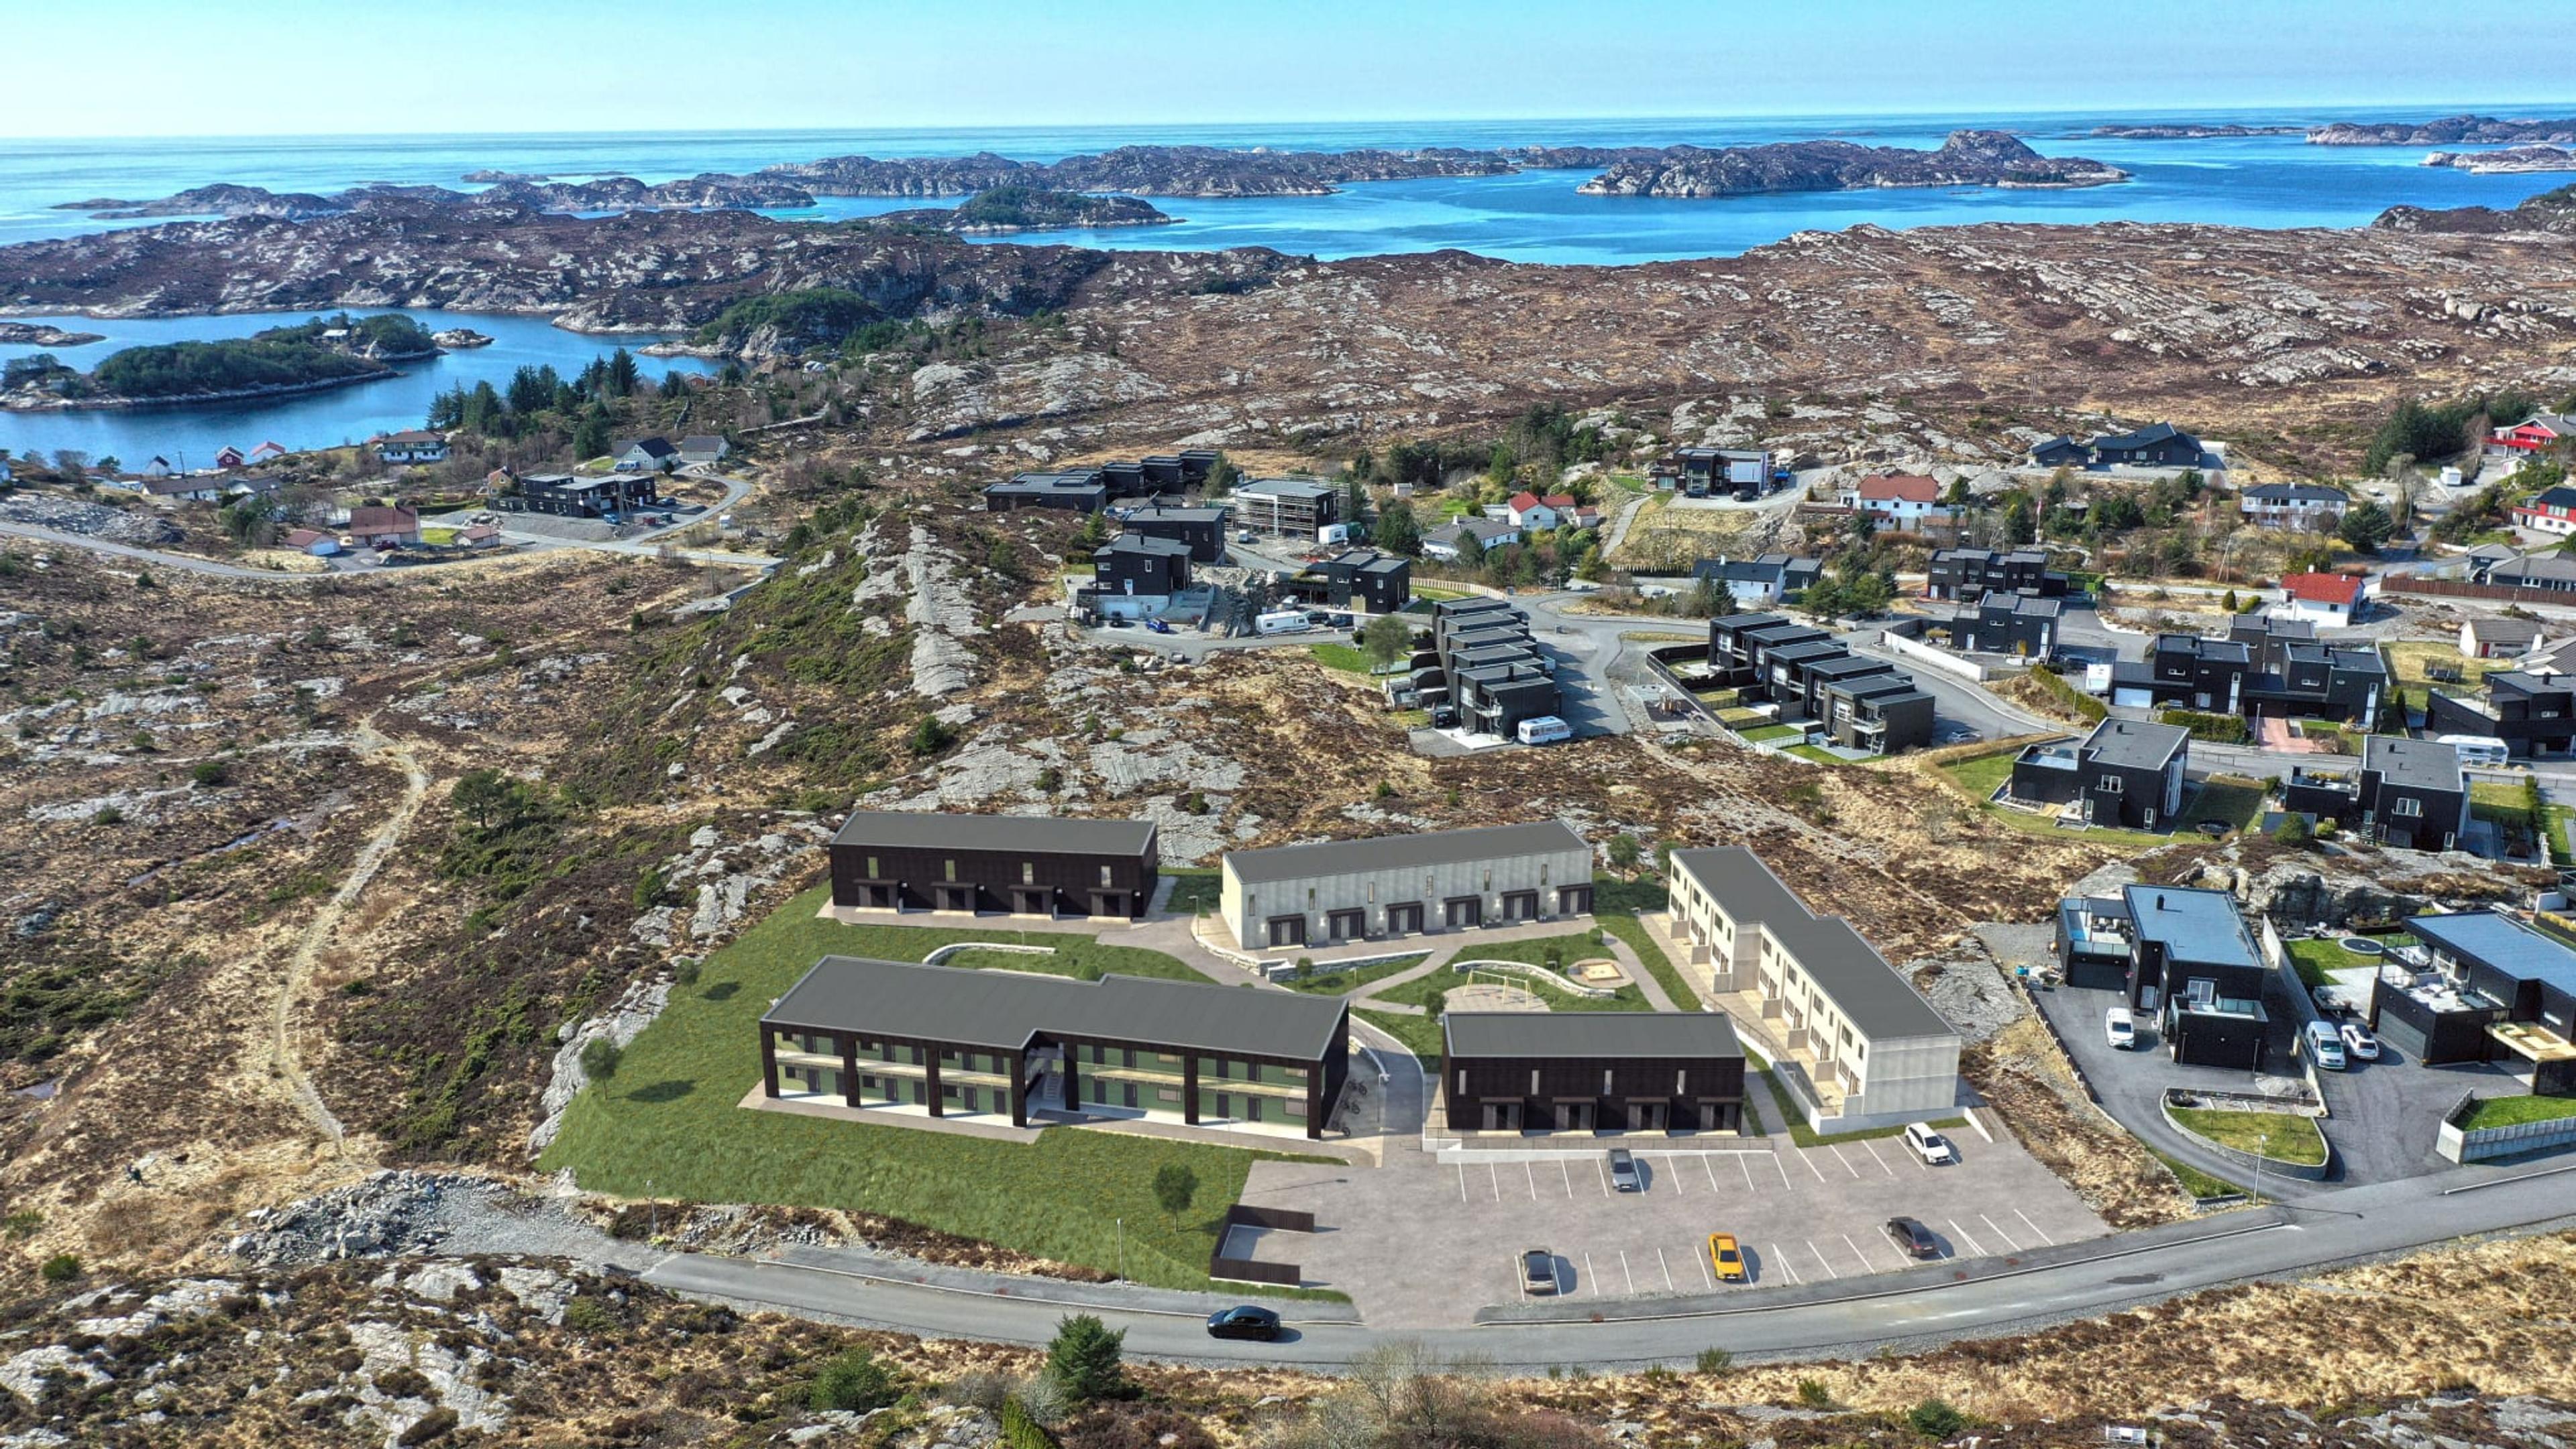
pixel 1174 472
pixel 2188 671
pixel 2407 793
pixel 1133 563
pixel 938 1041
pixel 1965 575
pixel 2265 668
pixel 1744 473
pixel 2060 452
pixel 2497 989
pixel 2534 714
pixel 1859 702
pixel 1596 1071
pixel 1485 665
pixel 571 495
pixel 1080 491
pixel 2127 774
pixel 1286 507
pixel 1360 578
pixel 2194 967
pixel 2022 625
pixel 1030 865
pixel 1202 530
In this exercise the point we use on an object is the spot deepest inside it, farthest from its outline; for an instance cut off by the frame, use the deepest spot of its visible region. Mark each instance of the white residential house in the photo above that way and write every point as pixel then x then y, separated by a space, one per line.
pixel 2293 505
pixel 1529 511
pixel 1899 500
pixel 1446 542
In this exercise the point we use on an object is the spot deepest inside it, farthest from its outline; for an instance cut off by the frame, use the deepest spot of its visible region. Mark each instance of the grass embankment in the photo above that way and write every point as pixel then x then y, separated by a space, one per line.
pixel 1569 948
pixel 1767 733
pixel 2194 1181
pixel 2235 801
pixel 2279 1136
pixel 2515 1111
pixel 1615 904
pixel 667 1123
pixel 1340 656
pixel 1342 982
pixel 1194 889
pixel 1979 776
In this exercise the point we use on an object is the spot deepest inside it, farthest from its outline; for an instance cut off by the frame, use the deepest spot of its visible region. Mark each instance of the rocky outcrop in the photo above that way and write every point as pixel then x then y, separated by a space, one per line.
pixel 2512 160
pixel 2448 131
pixel 1007 209
pixel 36 334
pixel 2187 132
pixel 2550 212
pixel 457 339
pixel 1967 158
pixel 1136 170
pixel 623 193
pixel 221 199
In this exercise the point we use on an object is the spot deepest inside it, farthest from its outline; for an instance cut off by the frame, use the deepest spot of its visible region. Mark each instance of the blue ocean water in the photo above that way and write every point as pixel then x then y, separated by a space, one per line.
pixel 1533 216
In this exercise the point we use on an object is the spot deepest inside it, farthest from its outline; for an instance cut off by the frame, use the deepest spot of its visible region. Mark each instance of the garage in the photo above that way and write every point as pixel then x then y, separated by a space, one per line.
pixel 2134 698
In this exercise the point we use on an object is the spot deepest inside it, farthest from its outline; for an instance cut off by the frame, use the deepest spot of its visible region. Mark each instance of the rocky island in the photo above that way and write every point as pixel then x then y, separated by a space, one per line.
pixel 2551 212
pixel 1967 158
pixel 2513 160
pixel 2448 131
pixel 1191 171
pixel 1006 209
pixel 2188 131
pixel 38 334
pixel 615 193
pixel 310 356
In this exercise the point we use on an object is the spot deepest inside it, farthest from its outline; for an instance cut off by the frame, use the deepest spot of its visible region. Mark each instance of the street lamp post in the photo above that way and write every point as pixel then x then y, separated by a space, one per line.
pixel 1122 1247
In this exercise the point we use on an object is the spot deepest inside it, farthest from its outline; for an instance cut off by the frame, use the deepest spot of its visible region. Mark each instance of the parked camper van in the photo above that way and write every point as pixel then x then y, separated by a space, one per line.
pixel 2477 749
pixel 1283 621
pixel 1546 729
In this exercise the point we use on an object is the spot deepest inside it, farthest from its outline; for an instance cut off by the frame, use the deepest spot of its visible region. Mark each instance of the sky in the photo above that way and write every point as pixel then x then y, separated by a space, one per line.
pixel 372 67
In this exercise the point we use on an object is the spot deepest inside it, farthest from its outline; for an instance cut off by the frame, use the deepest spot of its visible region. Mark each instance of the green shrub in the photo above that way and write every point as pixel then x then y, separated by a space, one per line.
pixel 1019 1431
pixel 1715 1360
pixel 1934 1419
pixel 930 736
pixel 588 1315
pixel 211 772
pixel 1813 1395
pixel 599 1058
pixel 2293 829
pixel 2226 729
pixel 108 815
pixel 852 1383
pixel 1084 1358
pixel 61 1268
pixel 2055 686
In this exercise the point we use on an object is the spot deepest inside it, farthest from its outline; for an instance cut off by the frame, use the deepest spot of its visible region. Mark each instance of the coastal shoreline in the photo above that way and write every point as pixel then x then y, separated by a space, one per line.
pixel 195 399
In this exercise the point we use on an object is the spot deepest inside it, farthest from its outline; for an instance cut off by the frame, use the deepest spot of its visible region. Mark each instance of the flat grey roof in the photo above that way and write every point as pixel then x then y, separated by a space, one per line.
pixel 1005 1008
pixel 1144 543
pixel 1874 995
pixel 1288 488
pixel 2504 943
pixel 1597 1034
pixel 1025 834
pixel 1400 852
pixel 2198 926
pixel 2136 744
pixel 1177 515
pixel 2422 764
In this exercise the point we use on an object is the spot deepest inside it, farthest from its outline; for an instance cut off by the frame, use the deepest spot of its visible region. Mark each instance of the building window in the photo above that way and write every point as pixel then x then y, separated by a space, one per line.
pixel 948 870
pixel 1028 872
pixel 872 867
pixel 2110 784
pixel 1104 877
pixel 2406 808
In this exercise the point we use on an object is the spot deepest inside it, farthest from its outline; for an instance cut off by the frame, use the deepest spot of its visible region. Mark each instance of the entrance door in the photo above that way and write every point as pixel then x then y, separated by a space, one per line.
pixel 1348 925
pixel 1287 930
pixel 1030 901
pixel 1404 920
pixel 953 897
pixel 1574 1116
pixel 1520 906
pixel 1464 911
pixel 1574 900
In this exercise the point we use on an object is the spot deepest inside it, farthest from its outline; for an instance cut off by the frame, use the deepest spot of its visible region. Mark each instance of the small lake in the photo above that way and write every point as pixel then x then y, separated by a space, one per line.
pixel 191 436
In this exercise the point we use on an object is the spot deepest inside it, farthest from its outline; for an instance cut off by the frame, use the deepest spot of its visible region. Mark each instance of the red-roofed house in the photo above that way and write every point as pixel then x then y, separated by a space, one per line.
pixel 2554 511
pixel 384 527
pixel 268 452
pixel 228 456
pixel 1528 510
pixel 2324 598
pixel 2531 436
pixel 1901 500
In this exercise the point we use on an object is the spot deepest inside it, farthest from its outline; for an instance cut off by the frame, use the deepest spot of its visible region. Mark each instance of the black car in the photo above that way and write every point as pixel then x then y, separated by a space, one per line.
pixel 1244 1322
pixel 1913 1238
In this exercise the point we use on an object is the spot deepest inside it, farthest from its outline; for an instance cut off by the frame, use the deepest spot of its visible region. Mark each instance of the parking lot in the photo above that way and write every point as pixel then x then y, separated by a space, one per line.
pixel 1422 1243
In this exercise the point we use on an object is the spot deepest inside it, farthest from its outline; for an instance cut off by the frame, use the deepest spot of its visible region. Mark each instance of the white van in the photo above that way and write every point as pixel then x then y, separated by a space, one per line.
pixel 2477 749
pixel 1545 729
pixel 1283 621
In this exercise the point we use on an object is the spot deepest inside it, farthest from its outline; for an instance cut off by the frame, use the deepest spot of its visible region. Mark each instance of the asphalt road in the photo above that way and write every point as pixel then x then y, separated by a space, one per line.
pixel 1916 1307
pixel 186 563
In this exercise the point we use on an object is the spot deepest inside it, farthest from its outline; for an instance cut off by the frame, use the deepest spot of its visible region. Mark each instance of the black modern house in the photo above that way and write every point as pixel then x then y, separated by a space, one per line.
pixel 1859 702
pixel 2157 445
pixel 2127 774
pixel 1031 865
pixel 573 495
pixel 2407 793
pixel 940 1041
pixel 1134 564
pixel 1485 665
pixel 1359 578
pixel 2497 989
pixel 1597 1071
pixel 1742 473
pixel 2264 668
pixel 1080 491
pixel 2192 966
pixel 2022 625
pixel 2060 452
pixel 1201 530
pixel 2534 714
pixel 1966 575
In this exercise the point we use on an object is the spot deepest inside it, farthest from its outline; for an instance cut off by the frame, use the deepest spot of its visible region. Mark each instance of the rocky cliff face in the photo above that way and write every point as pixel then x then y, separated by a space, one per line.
pixel 2448 131
pixel 2550 213
pixel 1967 158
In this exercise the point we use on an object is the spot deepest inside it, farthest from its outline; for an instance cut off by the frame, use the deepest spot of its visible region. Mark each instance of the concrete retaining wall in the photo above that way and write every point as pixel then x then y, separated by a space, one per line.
pixel 2488 1143
pixel 1936 657
pixel 2254 1163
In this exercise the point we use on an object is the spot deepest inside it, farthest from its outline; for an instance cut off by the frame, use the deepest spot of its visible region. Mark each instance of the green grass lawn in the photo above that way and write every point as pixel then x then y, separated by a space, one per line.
pixel 2276 1135
pixel 2407 659
pixel 1435 593
pixel 1434 987
pixel 1194 889
pixel 1633 931
pixel 1342 983
pixel 2314 957
pixel 2194 1181
pixel 1420 1034
pixel 2514 1111
pixel 1076 956
pixel 1737 717
pixel 1982 776
pixel 1817 755
pixel 1339 656
pixel 2559 831
pixel 667 1123
pixel 2231 800
pixel 1767 733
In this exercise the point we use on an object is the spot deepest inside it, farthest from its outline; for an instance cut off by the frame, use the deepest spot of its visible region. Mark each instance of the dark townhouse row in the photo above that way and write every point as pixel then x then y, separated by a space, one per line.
pixel 2264 668
pixel 1088 490
pixel 2127 774
pixel 2534 714
pixel 2411 794
pixel 1965 575
pixel 1359 578
pixel 2182 957
pixel 2497 989
pixel 1019 864
pixel 1860 703
pixel 949 1042
pixel 2022 625
pixel 1591 1071
pixel 1485 664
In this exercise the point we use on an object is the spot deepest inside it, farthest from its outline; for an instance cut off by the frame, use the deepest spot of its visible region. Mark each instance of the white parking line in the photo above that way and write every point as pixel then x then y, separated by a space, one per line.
pixel 1494 1176
pixel 1587 1268
pixel 1882 1162
pixel 1531 1173
pixel 1748 1171
pixel 1462 1182
pixel 1962 1234
pixel 1709 1167
pixel 1602 1173
pixel 1845 1161
pixel 1783 1260
pixel 1866 1265
pixel 1567 1173
pixel 1999 1232
pixel 1666 1265
pixel 2044 1239
pixel 1706 1275
pixel 1820 1257
pixel 1677 1174
pixel 1520 1274
pixel 1811 1167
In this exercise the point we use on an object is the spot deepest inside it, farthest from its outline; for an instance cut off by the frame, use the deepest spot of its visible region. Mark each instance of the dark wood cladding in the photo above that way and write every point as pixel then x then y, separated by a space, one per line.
pixel 1639 1089
pixel 1065 883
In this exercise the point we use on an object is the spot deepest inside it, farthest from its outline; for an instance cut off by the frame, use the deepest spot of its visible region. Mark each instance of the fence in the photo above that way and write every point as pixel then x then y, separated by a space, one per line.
pixel 1947 661
pixel 1246 1270
pixel 1680 687
pixel 2453 589
pixel 2302 1004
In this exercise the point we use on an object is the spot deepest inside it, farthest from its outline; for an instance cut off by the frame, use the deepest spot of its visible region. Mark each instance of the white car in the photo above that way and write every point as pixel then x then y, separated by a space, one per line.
pixel 1929 1145
pixel 2358 1041
pixel 2120 1028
